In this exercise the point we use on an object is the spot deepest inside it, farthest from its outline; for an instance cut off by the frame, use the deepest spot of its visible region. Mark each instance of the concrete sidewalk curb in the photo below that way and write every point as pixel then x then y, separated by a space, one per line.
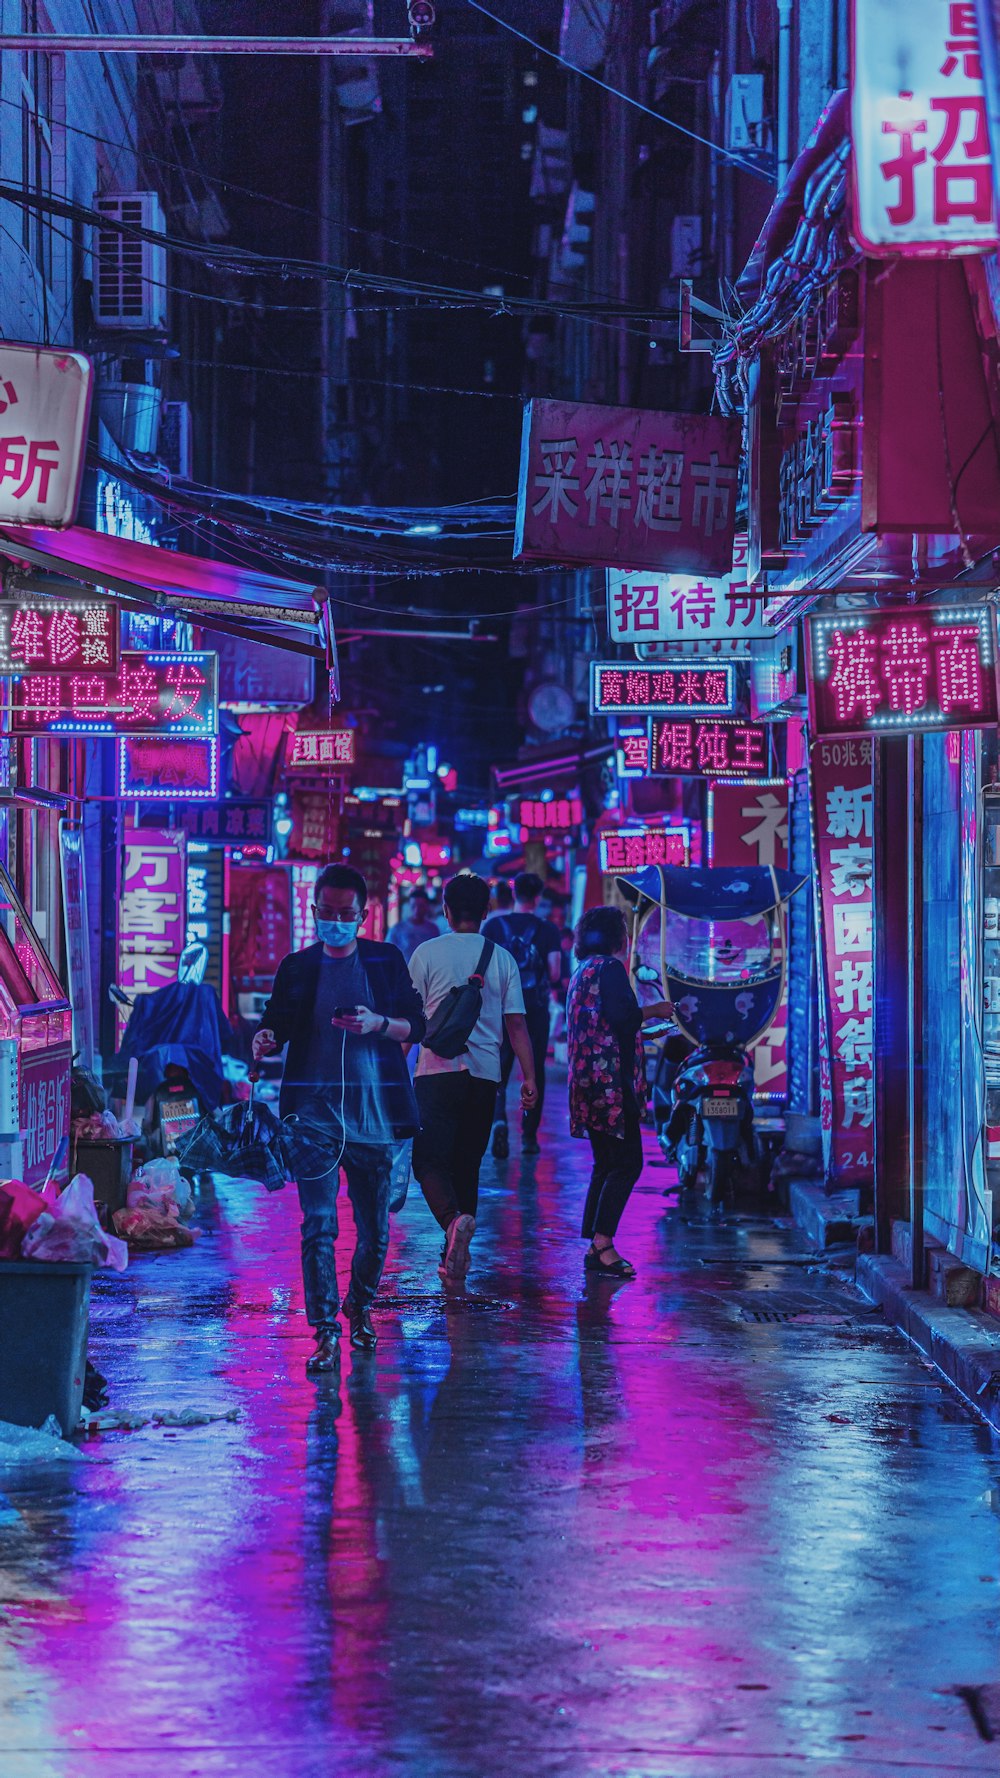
pixel 963 1343
pixel 829 1220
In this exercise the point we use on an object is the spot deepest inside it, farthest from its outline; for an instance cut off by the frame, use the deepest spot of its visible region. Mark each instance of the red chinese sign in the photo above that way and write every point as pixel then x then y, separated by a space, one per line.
pixel 151 766
pixel 748 825
pixel 43 1107
pixel 672 608
pixel 842 801
pixel 163 694
pixel 324 747
pixel 705 749
pixel 922 167
pixel 50 636
pixel 633 847
pixel 152 910
pixel 552 816
pixel 923 668
pixel 44 410
pixel 627 487
pixel 625 691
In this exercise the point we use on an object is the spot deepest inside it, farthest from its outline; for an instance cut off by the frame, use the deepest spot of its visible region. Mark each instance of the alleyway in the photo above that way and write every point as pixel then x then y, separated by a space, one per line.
pixel 549 1529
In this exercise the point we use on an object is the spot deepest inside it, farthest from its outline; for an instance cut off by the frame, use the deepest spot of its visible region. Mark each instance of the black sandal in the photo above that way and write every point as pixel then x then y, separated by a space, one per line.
pixel 619 1268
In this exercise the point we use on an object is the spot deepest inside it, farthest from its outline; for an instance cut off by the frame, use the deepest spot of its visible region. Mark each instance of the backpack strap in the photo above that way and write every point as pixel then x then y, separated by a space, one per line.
pixel 479 973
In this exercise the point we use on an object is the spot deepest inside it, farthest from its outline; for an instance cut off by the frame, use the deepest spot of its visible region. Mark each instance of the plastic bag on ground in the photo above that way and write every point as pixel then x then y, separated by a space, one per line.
pixel 69 1230
pixel 160 1185
pixel 151 1228
pixel 20 1207
pixel 33 1444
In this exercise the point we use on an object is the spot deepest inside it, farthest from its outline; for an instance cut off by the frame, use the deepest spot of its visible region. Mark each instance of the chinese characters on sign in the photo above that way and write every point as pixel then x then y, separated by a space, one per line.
pixel 748 825
pixel 77 933
pixel 926 668
pixel 325 747
pixel 44 410
pixel 158 767
pixel 842 795
pixel 43 1107
pixel 627 487
pixel 163 694
pixel 627 691
pixel 152 909
pixel 632 848
pixel 708 749
pixel 645 608
pixel 231 822
pixel 554 815
pixel 50 636
pixel 919 128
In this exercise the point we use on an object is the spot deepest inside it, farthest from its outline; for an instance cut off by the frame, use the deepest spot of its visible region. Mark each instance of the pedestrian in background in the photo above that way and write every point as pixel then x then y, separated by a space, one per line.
pixel 534 945
pixel 417 926
pixel 456 1094
pixel 607 1079
pixel 344 1006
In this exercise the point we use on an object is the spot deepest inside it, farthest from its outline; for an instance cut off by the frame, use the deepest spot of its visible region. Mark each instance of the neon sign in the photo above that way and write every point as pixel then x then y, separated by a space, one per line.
pixel 932 667
pixel 687 688
pixel 553 815
pixel 632 848
pixel 57 636
pixel 162 768
pixel 153 694
pixel 323 747
pixel 708 749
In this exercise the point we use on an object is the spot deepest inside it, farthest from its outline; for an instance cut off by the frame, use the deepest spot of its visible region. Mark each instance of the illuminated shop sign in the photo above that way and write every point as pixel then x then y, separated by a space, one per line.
pixel 323 747
pixel 923 176
pixel 929 668
pixel 161 768
pixel 617 690
pixel 676 608
pixel 632 848
pixel 549 815
pixel 152 910
pixel 44 410
pixel 708 749
pixel 162 694
pixel 840 775
pixel 50 636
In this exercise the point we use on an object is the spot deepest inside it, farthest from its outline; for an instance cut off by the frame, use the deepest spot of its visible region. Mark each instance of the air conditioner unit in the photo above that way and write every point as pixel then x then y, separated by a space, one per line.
pixel 174 445
pixel 745 114
pixel 130 285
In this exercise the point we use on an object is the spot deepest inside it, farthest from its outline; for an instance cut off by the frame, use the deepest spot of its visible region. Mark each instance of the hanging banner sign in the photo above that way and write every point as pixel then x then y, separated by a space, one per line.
pixel 58 636
pixel 43 1107
pixel 921 149
pixel 645 608
pixel 842 805
pixel 748 825
pixel 932 667
pixel 634 846
pixel 44 411
pixel 160 768
pixel 627 488
pixel 630 691
pixel 161 694
pixel 206 908
pixel 704 749
pixel 152 910
pixel 310 748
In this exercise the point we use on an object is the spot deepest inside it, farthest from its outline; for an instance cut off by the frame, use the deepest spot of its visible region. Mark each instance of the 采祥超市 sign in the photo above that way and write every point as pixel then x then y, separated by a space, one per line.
pixel 929 667
pixel 627 488
pixel 842 807
pixel 58 636
pixel 687 688
pixel 644 608
pixel 164 769
pixel 311 749
pixel 708 749
pixel 152 694
pixel 634 847
pixel 922 169
pixel 44 410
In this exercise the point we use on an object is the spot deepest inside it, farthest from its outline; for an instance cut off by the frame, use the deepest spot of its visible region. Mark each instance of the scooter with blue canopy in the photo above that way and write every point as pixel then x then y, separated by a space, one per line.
pixel 712 942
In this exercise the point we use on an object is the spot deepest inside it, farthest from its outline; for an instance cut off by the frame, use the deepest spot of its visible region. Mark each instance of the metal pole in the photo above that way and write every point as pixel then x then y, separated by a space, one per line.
pixel 915 997
pixel 176 45
pixel 784 157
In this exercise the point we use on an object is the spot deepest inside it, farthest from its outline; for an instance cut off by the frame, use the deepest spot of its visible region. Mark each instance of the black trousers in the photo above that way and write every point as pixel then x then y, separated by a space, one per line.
pixel 537 1020
pixel 456 1116
pixel 617 1166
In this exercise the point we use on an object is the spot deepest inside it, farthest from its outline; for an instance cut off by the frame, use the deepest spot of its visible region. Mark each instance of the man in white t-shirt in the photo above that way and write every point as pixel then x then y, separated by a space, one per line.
pixel 456 1097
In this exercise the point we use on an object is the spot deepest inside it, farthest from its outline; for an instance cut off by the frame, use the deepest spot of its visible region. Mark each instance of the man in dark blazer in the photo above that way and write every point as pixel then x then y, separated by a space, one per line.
pixel 344 1006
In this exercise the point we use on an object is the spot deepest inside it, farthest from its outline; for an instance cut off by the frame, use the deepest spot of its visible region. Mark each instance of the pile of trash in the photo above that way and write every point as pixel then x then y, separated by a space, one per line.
pixel 56 1225
pixel 104 1126
pixel 158 1197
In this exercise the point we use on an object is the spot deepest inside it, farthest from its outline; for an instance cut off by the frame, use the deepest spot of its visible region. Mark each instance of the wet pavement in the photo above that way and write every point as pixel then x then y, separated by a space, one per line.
pixel 717 1522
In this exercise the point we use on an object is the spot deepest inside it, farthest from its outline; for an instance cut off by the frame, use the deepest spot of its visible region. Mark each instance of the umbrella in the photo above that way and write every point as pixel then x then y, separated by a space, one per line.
pixel 245 1141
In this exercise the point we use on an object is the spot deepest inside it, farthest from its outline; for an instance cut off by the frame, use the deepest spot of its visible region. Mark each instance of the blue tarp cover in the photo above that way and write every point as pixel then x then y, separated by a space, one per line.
pixel 733 893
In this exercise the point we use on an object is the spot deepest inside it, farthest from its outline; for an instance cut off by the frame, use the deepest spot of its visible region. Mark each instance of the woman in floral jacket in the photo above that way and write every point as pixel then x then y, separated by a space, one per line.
pixel 607 1079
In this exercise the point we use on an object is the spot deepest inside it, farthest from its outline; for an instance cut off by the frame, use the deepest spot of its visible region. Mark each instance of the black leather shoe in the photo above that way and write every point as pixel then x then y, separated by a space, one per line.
pixel 363 1335
pixel 326 1356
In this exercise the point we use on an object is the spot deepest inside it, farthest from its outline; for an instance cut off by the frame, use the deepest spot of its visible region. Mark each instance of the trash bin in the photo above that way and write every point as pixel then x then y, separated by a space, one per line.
pixel 107 1162
pixel 44 1312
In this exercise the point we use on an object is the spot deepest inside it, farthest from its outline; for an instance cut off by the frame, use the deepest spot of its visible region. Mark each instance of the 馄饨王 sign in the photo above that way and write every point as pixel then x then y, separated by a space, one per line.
pixel 151 694
pixel 928 667
pixel 58 636
pixel 44 410
pixel 708 749
pixel 923 176
pixel 687 688
pixel 627 487
pixel 645 608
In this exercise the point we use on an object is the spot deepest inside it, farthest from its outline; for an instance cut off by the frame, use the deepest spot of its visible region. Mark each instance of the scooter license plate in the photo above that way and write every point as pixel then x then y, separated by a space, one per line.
pixel 720 1108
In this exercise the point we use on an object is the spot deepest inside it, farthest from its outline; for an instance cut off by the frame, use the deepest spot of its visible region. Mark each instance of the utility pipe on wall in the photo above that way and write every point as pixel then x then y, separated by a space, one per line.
pixel 784 89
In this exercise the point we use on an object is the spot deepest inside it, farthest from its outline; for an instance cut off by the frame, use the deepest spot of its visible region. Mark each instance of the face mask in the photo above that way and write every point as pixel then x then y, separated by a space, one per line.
pixel 337 932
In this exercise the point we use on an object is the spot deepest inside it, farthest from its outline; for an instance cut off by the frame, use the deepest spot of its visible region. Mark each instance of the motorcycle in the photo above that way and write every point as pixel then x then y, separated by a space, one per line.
pixel 177 1035
pixel 712 942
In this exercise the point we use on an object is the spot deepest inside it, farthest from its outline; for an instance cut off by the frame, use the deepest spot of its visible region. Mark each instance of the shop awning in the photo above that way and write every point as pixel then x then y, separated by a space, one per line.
pixel 557 770
pixel 218 595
